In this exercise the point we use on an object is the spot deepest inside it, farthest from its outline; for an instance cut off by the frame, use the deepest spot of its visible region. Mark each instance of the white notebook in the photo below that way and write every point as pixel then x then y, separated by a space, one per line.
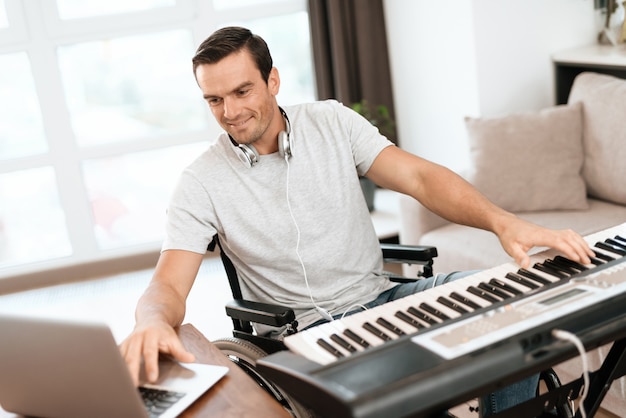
pixel 60 368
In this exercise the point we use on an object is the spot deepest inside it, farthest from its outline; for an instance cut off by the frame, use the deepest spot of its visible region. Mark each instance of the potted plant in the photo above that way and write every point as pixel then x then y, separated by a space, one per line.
pixel 378 116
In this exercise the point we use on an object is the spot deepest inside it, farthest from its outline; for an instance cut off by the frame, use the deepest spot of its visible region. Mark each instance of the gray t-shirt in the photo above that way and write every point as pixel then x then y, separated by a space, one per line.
pixel 249 208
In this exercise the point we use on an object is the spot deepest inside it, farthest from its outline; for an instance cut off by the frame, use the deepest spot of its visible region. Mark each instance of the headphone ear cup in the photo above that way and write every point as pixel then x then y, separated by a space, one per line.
pixel 247 154
pixel 284 145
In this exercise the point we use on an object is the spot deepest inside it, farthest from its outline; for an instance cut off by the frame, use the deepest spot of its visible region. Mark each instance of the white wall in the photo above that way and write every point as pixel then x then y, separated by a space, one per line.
pixel 474 58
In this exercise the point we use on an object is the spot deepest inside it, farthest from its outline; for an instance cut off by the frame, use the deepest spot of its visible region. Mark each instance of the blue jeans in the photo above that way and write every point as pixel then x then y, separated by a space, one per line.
pixel 494 402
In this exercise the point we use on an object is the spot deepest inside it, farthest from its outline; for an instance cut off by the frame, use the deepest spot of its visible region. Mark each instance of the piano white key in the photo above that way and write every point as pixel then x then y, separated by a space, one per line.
pixel 540 273
pixel 388 312
pixel 517 286
pixel 318 333
pixel 356 325
pixel 604 251
pixel 460 287
pixel 441 292
pixel 372 316
pixel 428 296
pixel 414 301
pixel 500 274
pixel 304 343
pixel 338 327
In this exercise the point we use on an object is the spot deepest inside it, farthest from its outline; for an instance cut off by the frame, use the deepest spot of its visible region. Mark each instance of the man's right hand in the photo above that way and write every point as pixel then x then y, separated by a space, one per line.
pixel 146 342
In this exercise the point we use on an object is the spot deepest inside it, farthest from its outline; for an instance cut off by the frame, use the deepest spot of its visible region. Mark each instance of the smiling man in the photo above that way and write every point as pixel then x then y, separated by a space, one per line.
pixel 292 217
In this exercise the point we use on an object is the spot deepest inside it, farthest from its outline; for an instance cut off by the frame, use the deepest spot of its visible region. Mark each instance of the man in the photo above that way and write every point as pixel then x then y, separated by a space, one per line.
pixel 292 217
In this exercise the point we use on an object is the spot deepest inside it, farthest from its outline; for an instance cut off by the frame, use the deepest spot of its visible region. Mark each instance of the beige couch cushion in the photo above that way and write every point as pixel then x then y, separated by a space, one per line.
pixel 461 248
pixel 604 134
pixel 529 161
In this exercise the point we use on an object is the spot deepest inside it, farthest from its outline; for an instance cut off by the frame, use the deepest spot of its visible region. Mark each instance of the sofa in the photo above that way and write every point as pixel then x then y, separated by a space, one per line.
pixel 560 167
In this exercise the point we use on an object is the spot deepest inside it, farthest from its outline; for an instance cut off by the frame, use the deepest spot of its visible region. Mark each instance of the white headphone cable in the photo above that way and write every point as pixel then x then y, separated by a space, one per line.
pixel 568 336
pixel 323 312
pixel 349 308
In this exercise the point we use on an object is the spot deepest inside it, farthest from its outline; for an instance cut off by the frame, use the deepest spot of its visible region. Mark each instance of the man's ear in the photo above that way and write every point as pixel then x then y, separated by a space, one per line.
pixel 273 81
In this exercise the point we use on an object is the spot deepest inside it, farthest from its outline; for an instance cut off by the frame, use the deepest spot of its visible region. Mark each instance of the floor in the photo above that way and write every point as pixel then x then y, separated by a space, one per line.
pixel 112 301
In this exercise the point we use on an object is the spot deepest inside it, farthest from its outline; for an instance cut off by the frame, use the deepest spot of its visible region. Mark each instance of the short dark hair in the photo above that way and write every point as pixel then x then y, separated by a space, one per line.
pixel 228 40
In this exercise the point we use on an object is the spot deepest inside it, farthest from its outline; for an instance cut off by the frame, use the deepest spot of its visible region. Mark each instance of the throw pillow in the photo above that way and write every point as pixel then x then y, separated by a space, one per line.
pixel 604 134
pixel 529 161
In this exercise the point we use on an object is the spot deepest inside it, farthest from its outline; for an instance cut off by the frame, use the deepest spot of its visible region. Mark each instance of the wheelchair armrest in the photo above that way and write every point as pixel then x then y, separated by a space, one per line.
pixel 408 254
pixel 262 313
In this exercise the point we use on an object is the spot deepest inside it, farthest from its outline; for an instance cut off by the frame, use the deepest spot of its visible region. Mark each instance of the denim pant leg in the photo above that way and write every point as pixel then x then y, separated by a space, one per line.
pixel 509 396
pixel 407 289
pixel 494 402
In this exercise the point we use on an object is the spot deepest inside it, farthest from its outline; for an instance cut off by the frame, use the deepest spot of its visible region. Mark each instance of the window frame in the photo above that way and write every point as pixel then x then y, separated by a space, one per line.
pixel 37 29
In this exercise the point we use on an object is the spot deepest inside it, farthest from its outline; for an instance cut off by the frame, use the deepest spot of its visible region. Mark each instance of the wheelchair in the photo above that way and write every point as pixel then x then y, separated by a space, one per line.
pixel 245 347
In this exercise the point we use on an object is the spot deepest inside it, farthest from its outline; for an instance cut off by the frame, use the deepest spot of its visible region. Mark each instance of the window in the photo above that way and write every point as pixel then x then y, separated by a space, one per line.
pixel 21 133
pixel 131 87
pixel 101 113
pixel 76 9
pixel 4 23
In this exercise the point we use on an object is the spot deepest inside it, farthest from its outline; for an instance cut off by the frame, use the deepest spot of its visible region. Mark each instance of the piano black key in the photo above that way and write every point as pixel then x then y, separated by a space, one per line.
pixel 606 245
pixel 467 302
pixel 616 244
pixel 504 286
pixel 533 276
pixel 345 344
pixel 476 291
pixel 421 315
pixel 570 271
pixel 406 318
pixel 356 338
pixel 521 280
pixel 391 327
pixel 550 270
pixel 567 262
pixel 620 238
pixel 609 248
pixel 432 310
pixel 328 347
pixel 493 290
pixel 452 305
pixel 371 328
pixel 596 261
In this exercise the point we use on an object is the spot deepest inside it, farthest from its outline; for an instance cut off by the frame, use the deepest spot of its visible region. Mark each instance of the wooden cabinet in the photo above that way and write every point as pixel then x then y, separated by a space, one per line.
pixel 605 59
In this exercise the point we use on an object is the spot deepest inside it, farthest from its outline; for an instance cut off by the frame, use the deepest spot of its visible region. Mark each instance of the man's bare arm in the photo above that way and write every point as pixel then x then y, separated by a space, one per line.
pixel 159 310
pixel 451 197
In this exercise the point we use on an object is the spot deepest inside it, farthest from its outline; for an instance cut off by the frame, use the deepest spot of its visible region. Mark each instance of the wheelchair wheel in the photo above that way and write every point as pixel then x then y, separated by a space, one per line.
pixel 245 354
pixel 551 381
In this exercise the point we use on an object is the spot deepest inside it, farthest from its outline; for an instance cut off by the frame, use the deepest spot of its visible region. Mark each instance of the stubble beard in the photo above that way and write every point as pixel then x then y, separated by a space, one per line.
pixel 256 133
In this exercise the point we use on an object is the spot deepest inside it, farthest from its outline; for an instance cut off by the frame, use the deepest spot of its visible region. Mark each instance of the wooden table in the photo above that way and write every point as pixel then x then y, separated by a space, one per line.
pixel 235 395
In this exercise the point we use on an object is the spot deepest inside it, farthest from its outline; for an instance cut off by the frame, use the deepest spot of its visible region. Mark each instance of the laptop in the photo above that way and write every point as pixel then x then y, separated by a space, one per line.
pixel 61 368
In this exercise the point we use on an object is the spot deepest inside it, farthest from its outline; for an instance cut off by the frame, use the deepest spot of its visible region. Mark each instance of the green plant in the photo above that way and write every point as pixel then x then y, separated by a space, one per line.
pixel 378 116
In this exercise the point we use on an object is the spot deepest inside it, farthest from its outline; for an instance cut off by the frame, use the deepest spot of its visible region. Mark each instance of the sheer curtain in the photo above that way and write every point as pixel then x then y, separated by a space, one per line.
pixel 350 51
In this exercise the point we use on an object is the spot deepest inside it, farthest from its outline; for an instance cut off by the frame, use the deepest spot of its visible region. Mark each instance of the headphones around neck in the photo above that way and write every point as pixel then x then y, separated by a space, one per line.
pixel 249 156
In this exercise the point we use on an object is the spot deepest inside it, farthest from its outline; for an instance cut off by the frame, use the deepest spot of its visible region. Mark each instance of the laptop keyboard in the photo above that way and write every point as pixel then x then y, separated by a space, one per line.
pixel 158 401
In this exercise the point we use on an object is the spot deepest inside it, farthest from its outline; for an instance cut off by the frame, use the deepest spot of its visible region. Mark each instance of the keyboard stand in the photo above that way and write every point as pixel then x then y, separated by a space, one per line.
pixel 613 367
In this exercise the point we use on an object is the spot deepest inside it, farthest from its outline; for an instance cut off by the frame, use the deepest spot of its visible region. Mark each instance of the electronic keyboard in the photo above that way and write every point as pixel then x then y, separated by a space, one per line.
pixel 443 345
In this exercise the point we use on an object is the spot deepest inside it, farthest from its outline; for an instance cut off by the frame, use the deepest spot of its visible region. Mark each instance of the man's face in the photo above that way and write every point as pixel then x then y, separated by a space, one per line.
pixel 242 103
